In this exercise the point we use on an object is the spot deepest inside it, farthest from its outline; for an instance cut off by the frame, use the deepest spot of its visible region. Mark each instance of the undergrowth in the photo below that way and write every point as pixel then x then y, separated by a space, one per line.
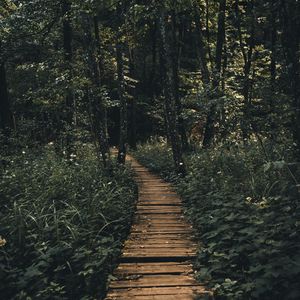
pixel 62 224
pixel 245 210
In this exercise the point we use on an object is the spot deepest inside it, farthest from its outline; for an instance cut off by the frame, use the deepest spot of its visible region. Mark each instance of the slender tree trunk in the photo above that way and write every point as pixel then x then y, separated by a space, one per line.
pixel 153 74
pixel 273 48
pixel 273 68
pixel 169 94
pixel 68 56
pixel 291 40
pixel 101 113
pixel 220 35
pixel 247 56
pixel 207 29
pixel 123 104
pixel 132 105
pixel 96 106
pixel 132 132
pixel 202 49
pixel 68 52
pixel 99 60
pixel 210 121
pixel 5 112
pixel 176 64
pixel 121 90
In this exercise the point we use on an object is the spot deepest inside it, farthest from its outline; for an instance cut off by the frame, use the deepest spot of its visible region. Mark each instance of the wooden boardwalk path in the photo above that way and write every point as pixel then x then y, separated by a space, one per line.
pixel 156 259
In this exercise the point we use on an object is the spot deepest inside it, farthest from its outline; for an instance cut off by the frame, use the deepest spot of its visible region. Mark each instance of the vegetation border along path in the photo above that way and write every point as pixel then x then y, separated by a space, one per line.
pixel 156 259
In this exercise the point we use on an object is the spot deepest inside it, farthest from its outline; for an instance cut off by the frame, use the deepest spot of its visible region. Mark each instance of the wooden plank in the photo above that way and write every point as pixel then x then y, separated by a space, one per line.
pixel 159 297
pixel 158 192
pixel 158 227
pixel 155 281
pixel 150 228
pixel 162 231
pixel 175 293
pixel 158 207
pixel 160 291
pixel 158 210
pixel 160 245
pixel 152 240
pixel 159 241
pixel 156 253
pixel 163 222
pixel 153 268
pixel 161 217
pixel 142 235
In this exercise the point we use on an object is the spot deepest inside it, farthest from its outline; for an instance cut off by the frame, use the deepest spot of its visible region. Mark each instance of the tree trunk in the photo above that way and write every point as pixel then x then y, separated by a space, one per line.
pixel 96 109
pixel 291 39
pixel 153 73
pixel 123 104
pixel 176 64
pixel 68 53
pixel 202 50
pixel 5 112
pixel 273 69
pixel 132 105
pixel 220 35
pixel 169 95
pixel 121 90
pixel 210 121
pixel 207 29
pixel 247 56
pixel 101 114
pixel 69 97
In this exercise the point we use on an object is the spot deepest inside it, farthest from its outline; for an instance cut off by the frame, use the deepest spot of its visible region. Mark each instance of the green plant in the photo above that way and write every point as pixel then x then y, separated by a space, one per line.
pixel 245 211
pixel 64 221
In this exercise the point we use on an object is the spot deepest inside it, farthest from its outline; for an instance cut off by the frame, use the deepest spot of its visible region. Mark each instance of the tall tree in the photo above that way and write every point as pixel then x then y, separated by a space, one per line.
pixel 247 53
pixel 210 121
pixel 132 106
pixel 169 92
pixel 68 53
pixel 121 89
pixel 96 105
pixel 176 46
pixel 290 11
pixel 6 118
pixel 202 48
pixel 5 111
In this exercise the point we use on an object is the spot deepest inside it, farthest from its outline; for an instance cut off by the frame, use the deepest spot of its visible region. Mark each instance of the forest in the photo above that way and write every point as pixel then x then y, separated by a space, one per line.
pixel 203 93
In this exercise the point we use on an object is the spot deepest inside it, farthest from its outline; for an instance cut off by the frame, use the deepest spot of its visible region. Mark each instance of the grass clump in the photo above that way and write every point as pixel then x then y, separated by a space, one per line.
pixel 63 222
pixel 245 210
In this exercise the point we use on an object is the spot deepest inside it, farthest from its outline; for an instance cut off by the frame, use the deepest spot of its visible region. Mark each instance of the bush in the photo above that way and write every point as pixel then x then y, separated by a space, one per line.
pixel 245 211
pixel 64 221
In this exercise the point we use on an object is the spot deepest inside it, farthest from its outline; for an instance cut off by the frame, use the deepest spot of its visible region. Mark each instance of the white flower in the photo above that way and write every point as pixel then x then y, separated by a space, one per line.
pixel 2 242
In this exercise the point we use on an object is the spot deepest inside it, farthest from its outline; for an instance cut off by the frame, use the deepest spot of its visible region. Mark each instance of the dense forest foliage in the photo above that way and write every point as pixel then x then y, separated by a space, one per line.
pixel 205 92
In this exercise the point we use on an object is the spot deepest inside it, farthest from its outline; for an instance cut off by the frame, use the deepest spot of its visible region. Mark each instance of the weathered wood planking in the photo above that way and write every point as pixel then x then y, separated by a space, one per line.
pixel 156 258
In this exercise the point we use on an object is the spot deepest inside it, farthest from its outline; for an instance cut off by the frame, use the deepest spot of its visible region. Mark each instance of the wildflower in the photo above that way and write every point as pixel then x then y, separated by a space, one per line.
pixel 2 242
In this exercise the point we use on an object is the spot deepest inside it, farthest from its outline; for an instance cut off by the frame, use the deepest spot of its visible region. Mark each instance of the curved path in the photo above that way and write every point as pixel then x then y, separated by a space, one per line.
pixel 156 259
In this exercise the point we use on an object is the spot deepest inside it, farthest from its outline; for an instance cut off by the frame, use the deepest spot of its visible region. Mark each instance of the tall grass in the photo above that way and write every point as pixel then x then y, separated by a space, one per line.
pixel 64 221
